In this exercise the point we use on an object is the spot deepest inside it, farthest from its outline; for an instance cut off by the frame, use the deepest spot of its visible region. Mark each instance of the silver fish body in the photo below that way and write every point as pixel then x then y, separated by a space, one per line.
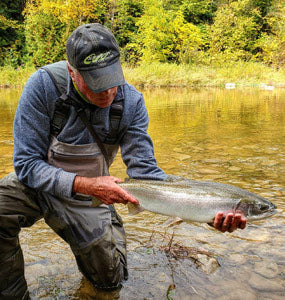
pixel 196 201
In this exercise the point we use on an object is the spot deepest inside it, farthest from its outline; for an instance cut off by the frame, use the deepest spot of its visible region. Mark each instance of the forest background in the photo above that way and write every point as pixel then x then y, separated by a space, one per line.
pixel 170 42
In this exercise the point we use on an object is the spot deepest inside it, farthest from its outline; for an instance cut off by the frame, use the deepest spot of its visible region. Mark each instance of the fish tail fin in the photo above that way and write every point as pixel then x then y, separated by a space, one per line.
pixel 134 209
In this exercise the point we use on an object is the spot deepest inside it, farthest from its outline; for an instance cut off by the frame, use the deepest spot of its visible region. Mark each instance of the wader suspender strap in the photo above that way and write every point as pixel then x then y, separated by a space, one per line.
pixel 62 108
pixel 115 116
pixel 82 115
pixel 61 112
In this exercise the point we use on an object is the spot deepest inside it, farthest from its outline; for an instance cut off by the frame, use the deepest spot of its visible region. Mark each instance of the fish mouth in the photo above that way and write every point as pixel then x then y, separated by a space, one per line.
pixel 264 215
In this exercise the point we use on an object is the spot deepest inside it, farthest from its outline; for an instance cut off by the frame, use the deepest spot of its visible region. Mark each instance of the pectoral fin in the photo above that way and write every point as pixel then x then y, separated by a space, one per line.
pixel 134 209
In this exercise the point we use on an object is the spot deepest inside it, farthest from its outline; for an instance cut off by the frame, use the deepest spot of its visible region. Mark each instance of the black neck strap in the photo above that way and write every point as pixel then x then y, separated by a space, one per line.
pixel 82 115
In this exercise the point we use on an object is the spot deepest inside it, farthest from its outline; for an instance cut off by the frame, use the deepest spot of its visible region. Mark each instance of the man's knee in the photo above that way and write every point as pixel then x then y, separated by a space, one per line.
pixel 17 203
pixel 103 264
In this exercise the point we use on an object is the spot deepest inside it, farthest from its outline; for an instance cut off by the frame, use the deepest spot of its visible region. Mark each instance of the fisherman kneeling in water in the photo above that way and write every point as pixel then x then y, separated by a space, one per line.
pixel 71 119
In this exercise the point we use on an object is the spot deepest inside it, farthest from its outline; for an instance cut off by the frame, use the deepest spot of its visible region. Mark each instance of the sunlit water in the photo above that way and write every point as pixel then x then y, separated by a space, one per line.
pixel 229 136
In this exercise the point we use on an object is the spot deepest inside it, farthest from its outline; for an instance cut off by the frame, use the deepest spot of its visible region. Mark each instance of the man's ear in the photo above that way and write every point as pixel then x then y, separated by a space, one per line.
pixel 70 71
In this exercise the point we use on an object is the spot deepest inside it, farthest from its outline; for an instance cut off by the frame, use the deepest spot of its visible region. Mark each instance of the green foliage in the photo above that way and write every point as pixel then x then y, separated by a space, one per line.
pixel 11 32
pixel 199 11
pixel 179 31
pixel 271 43
pixel 178 75
pixel 9 76
pixel 165 36
pixel 126 15
pixel 45 42
pixel 49 23
pixel 234 30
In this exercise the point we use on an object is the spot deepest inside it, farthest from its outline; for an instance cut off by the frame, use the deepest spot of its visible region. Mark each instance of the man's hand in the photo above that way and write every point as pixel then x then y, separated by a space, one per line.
pixel 229 222
pixel 104 188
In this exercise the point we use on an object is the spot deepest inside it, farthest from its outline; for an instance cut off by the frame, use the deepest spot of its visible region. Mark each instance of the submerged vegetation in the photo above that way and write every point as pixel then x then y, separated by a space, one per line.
pixel 172 42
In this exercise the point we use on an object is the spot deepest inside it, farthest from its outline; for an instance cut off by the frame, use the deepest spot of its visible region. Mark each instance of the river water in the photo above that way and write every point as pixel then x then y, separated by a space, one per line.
pixel 229 136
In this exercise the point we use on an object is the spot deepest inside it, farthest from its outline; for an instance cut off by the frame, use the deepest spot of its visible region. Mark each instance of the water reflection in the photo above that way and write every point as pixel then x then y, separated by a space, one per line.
pixel 230 136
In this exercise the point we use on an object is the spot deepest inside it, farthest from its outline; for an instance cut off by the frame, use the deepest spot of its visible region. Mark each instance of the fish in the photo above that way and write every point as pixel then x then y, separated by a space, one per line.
pixel 196 201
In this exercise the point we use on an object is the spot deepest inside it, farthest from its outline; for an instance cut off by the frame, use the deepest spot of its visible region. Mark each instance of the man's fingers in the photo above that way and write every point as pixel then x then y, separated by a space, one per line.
pixel 235 223
pixel 230 222
pixel 218 221
pixel 129 198
pixel 242 222
pixel 227 222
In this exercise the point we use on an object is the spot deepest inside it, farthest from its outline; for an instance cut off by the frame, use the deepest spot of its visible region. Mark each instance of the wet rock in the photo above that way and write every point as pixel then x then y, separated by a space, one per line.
pixel 250 166
pixel 196 149
pixel 263 236
pixel 237 259
pixel 33 272
pixel 181 156
pixel 213 161
pixel 162 277
pixel 185 296
pixel 265 285
pixel 268 269
pixel 189 293
pixel 207 264
pixel 238 294
pixel 208 171
pixel 234 169
pixel 159 289
pixel 269 163
pixel 279 193
pixel 273 297
pixel 216 177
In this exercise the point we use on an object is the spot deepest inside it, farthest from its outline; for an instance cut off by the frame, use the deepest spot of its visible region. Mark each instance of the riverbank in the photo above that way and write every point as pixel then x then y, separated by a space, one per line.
pixel 171 75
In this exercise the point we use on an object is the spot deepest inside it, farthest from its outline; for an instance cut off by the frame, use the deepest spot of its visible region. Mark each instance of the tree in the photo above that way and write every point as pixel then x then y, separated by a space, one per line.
pixel 49 23
pixel 164 35
pixel 11 32
pixel 127 13
pixel 199 11
pixel 271 43
pixel 235 30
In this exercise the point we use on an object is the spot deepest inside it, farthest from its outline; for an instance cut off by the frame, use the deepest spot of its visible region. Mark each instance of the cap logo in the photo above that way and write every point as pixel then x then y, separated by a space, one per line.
pixel 93 58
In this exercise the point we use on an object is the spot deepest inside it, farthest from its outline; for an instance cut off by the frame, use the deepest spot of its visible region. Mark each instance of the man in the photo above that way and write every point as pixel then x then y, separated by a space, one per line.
pixel 64 142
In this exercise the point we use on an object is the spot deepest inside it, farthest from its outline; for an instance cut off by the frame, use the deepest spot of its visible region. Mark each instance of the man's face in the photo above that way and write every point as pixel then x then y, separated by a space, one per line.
pixel 103 99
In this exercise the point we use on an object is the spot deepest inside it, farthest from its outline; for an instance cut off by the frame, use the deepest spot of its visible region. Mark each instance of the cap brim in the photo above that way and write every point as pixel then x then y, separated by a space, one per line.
pixel 102 79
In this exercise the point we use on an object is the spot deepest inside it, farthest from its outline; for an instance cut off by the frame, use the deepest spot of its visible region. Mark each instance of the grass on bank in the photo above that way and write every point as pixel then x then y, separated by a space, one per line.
pixel 168 75
pixel 11 77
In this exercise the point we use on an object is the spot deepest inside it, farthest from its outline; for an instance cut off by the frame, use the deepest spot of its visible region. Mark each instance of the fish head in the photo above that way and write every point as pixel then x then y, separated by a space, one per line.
pixel 255 207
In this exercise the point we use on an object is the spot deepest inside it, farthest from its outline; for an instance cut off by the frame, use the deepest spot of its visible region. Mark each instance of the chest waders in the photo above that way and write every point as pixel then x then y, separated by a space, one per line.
pixel 95 234
pixel 89 160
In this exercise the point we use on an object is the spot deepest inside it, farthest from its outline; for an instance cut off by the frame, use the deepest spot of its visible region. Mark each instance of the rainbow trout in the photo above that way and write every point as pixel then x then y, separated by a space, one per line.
pixel 196 201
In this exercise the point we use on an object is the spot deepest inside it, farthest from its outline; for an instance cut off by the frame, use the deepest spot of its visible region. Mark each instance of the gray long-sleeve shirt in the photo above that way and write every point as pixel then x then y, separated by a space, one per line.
pixel 32 135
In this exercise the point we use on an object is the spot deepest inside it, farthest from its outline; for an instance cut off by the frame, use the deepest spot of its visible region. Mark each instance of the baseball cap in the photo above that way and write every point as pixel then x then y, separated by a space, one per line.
pixel 92 50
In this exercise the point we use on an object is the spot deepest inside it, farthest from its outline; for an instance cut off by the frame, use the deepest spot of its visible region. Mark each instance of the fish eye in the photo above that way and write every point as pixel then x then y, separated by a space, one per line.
pixel 264 207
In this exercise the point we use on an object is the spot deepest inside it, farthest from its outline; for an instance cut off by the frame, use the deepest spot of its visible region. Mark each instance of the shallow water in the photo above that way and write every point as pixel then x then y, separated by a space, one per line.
pixel 230 136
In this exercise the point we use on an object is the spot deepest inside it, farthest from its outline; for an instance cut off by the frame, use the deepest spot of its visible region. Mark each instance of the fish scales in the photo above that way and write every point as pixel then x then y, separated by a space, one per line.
pixel 197 201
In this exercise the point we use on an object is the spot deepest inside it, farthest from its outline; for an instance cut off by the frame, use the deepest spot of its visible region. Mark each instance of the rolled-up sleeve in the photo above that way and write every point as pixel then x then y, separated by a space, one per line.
pixel 137 147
